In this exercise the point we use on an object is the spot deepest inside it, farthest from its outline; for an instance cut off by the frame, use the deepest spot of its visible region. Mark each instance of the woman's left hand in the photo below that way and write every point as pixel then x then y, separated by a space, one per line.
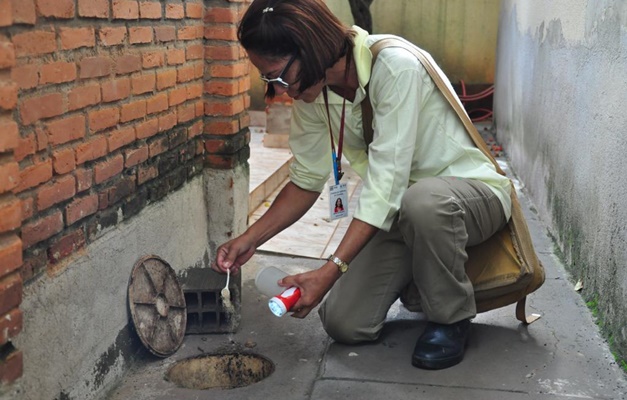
pixel 313 285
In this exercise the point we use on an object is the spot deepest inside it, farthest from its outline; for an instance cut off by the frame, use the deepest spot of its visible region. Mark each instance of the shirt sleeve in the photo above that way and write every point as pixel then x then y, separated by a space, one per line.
pixel 396 91
pixel 310 143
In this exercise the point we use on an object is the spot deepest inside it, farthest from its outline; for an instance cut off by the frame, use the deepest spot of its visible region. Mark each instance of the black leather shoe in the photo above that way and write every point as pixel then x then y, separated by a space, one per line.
pixel 441 346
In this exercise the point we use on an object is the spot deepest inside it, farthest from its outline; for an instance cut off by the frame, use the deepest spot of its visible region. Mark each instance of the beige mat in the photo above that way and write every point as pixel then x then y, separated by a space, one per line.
pixel 314 236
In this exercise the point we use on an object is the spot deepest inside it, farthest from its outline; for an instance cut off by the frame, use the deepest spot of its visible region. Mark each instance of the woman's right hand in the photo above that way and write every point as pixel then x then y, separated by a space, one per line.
pixel 233 254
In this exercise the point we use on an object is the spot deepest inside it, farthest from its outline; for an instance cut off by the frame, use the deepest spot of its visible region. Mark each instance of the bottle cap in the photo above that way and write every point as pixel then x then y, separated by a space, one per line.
pixel 277 307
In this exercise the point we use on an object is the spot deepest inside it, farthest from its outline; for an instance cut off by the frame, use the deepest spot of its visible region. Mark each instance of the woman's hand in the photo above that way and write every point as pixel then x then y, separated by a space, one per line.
pixel 313 285
pixel 233 254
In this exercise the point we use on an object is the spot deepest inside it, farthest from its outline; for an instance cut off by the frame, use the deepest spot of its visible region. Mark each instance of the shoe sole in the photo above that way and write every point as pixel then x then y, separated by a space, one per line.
pixel 436 364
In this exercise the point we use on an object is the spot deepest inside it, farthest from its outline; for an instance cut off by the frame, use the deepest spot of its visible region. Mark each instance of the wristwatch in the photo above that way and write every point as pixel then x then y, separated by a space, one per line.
pixel 341 265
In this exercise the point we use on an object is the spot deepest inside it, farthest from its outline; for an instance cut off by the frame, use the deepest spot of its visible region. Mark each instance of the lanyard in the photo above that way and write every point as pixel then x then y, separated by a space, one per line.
pixel 336 158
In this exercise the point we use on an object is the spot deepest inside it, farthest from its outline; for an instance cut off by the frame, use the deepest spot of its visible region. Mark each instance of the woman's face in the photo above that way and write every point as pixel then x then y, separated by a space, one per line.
pixel 272 68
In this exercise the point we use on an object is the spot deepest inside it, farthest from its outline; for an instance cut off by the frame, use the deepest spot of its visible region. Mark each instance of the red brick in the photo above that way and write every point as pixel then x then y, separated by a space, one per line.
pixel 236 70
pixel 125 9
pixel 57 72
pixel 33 265
pixel 10 325
pixel 66 129
pixel 103 119
pixel 93 8
pixel 166 79
pixel 46 106
pixel 225 32
pixel 115 90
pixel 108 169
pixel 9 176
pixel 10 213
pixel 144 174
pixel 221 127
pixel 222 88
pixel 177 96
pixel 224 108
pixel 8 95
pixel 153 59
pixel 63 9
pixel 10 134
pixel 42 138
pixel 194 10
pixel 174 11
pixel 143 83
pixel 95 67
pixel 33 43
pixel 7 53
pixel 91 150
pixel 63 161
pixel 141 34
pixel 121 137
pixel 157 103
pixel 185 74
pixel 175 56
pixel 195 52
pixel 112 36
pixel 150 10
pixel 128 63
pixel 55 192
pixel 186 112
pixel 190 32
pixel 218 161
pixel 157 147
pixel 83 96
pixel 66 246
pixel 6 13
pixel 11 367
pixel 134 110
pixel 74 38
pixel 10 253
pixel 221 15
pixel 222 52
pixel 84 179
pixel 136 156
pixel 28 207
pixel 34 175
pixel 147 129
pixel 41 229
pixel 80 208
pixel 24 12
pixel 26 146
pixel 165 33
pixel 26 76
pixel 167 122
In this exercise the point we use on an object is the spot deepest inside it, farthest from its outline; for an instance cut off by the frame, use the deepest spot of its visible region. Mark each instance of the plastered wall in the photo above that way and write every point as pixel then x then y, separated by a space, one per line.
pixel 561 86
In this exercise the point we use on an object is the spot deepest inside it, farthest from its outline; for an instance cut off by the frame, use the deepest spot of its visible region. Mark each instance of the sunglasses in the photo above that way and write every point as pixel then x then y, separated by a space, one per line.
pixel 279 79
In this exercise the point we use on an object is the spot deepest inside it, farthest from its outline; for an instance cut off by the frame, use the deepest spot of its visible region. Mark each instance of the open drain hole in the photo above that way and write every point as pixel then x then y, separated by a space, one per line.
pixel 224 371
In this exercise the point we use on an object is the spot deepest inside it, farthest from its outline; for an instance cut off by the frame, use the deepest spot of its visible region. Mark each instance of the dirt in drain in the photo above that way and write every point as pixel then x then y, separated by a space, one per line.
pixel 220 371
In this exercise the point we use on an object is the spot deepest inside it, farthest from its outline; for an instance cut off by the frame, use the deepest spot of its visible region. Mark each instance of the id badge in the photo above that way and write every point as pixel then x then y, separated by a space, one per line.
pixel 338 201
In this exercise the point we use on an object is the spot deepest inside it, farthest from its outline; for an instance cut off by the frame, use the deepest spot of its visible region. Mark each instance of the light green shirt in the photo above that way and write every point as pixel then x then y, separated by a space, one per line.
pixel 416 135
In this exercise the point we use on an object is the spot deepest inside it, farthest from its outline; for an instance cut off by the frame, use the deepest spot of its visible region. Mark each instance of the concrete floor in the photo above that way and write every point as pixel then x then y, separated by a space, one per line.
pixel 560 356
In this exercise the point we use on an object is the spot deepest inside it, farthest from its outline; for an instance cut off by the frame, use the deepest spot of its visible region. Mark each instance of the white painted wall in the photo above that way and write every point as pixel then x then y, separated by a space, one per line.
pixel 561 113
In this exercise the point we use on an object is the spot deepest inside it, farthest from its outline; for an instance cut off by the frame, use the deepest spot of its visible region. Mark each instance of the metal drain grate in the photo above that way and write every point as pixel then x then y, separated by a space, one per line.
pixel 206 312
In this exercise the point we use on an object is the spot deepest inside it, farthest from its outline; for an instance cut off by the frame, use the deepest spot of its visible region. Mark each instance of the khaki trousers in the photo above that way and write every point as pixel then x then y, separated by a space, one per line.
pixel 426 246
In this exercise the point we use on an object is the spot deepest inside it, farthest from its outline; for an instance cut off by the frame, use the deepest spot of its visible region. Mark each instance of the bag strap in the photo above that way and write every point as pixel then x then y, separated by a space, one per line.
pixel 437 79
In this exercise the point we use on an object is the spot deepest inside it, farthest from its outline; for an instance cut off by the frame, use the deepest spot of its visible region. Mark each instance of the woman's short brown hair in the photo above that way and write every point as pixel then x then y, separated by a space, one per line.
pixel 305 28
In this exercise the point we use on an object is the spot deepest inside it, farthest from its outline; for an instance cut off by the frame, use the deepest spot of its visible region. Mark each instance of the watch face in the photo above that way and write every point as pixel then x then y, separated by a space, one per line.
pixel 344 268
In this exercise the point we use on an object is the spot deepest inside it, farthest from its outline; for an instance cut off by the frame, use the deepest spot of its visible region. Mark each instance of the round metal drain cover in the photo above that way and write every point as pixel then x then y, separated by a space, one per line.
pixel 157 306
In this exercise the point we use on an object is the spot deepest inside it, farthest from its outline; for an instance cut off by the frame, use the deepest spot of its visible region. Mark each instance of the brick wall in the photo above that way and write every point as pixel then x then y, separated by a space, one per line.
pixel 10 209
pixel 106 106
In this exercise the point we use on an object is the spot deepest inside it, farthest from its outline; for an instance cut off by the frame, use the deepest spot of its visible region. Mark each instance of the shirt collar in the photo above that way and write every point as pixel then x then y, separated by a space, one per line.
pixel 362 57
